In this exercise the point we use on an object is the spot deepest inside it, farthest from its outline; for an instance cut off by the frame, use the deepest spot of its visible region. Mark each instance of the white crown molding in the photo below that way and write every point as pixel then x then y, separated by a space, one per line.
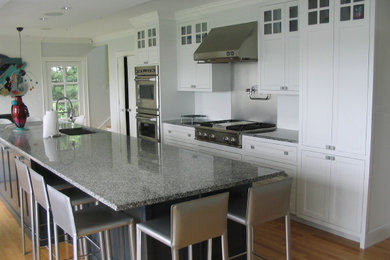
pixel 144 20
pixel 103 39
pixel 201 11
pixel 65 40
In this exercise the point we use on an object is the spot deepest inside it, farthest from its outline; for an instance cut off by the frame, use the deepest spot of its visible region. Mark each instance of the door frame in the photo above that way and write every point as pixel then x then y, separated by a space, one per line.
pixel 120 55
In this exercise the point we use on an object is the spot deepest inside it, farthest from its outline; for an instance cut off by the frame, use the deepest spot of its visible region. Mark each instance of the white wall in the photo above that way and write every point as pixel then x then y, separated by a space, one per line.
pixel 99 91
pixel 65 49
pixel 379 206
pixel 31 54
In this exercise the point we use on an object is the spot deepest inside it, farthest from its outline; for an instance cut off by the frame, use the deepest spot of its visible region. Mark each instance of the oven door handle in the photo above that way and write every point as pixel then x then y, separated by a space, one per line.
pixel 153 119
pixel 145 79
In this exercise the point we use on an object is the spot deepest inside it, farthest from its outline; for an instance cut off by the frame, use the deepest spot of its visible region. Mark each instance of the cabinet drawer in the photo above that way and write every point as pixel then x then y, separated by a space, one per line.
pixel 179 133
pixel 276 152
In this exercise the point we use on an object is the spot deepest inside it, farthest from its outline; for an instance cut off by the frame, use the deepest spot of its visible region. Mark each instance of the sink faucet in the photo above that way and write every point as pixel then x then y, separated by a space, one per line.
pixel 71 112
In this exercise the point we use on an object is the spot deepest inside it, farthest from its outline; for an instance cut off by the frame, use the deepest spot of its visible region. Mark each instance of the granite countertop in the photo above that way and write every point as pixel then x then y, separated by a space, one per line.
pixel 280 134
pixel 124 172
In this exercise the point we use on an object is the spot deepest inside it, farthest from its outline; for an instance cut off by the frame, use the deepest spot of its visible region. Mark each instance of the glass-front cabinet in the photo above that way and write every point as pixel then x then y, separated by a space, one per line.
pixel 279 48
pixel 147 45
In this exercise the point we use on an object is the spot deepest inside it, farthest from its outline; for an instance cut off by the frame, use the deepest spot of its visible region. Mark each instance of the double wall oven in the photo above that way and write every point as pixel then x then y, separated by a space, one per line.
pixel 148 103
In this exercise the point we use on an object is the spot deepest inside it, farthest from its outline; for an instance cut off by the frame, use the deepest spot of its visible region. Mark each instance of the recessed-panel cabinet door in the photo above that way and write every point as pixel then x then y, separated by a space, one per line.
pixel 318 89
pixel 314 186
pixel 346 193
pixel 186 67
pixel 317 76
pixel 292 47
pixel 351 71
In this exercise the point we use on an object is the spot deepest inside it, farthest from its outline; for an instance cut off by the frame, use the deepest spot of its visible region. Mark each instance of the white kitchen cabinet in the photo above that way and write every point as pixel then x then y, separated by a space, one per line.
pixel 178 135
pixel 273 154
pixel 335 76
pixel 331 191
pixel 193 76
pixel 147 45
pixel 279 48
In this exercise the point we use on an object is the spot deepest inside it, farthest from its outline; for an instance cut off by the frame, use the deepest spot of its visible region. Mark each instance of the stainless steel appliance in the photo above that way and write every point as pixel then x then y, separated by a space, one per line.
pixel 147 101
pixel 148 124
pixel 147 87
pixel 229 132
pixel 233 43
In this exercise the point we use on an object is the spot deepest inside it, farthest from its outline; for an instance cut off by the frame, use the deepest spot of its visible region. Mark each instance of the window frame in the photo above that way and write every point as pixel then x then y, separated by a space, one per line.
pixel 81 63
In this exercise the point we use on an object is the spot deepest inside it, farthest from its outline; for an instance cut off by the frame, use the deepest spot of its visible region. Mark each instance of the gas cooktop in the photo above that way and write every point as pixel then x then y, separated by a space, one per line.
pixel 228 132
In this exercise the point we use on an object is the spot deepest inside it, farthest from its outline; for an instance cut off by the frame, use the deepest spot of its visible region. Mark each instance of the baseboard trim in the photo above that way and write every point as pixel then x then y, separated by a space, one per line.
pixel 377 235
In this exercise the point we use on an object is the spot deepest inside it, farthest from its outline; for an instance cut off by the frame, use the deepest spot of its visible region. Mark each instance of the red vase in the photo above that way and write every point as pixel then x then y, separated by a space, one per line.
pixel 19 112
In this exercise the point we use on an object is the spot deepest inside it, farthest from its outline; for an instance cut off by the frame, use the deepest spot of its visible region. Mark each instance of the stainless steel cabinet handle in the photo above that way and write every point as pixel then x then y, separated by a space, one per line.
pixel 285 153
pixel 330 158
pixel 193 86
pixel 330 147
pixel 252 147
pixel 169 131
pixel 189 135
pixel 283 88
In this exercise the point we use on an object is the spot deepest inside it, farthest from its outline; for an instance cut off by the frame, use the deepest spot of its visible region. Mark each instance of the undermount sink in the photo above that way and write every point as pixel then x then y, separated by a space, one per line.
pixel 77 131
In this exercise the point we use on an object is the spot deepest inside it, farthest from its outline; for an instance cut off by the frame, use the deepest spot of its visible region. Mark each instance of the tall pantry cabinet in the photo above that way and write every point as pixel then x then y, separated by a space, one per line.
pixel 338 43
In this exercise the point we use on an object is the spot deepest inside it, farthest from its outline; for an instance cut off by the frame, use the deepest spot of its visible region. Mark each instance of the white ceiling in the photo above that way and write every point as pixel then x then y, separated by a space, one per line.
pixel 85 19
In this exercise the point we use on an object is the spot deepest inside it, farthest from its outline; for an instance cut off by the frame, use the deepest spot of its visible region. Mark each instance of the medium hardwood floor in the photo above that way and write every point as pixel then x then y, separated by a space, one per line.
pixel 307 243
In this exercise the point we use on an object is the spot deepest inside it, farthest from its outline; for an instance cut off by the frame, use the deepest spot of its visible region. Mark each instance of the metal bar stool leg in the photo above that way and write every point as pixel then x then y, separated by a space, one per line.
pixel 108 244
pixel 288 235
pixel 209 249
pixel 101 244
pixel 175 253
pixel 32 227
pixel 37 234
pixel 49 242
pixel 132 241
pixel 225 251
pixel 189 252
pixel 74 238
pixel 57 251
pixel 139 238
pixel 249 242
pixel 22 219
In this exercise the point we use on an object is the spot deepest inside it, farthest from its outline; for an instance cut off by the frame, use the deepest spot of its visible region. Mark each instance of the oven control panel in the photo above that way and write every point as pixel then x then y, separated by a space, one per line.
pixel 224 138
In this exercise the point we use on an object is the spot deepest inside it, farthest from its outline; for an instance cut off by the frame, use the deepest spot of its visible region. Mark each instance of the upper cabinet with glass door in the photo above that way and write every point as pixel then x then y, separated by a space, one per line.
pixel 279 49
pixel 147 45
pixel 191 75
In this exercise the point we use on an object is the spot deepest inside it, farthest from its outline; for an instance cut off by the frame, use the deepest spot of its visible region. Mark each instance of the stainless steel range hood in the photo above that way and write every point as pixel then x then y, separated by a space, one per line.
pixel 234 43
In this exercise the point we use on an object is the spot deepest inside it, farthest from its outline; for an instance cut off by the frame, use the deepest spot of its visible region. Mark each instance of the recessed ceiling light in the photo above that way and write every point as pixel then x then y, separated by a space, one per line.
pixel 66 8
pixel 46 29
pixel 53 14
pixel 43 18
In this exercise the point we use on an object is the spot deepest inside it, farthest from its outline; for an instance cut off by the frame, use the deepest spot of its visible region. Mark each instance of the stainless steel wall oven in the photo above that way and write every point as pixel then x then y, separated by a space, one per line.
pixel 147 101
pixel 147 87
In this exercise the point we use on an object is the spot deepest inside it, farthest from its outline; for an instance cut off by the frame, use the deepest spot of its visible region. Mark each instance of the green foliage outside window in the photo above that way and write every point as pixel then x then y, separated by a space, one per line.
pixel 65 84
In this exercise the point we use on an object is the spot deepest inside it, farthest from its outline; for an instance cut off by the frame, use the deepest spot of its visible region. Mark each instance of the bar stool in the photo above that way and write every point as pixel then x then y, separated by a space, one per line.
pixel 265 202
pixel 25 186
pixel 86 222
pixel 31 183
pixel 191 222
pixel 78 198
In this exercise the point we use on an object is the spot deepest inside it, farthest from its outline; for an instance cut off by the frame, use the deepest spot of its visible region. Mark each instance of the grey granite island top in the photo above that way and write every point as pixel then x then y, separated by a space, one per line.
pixel 124 172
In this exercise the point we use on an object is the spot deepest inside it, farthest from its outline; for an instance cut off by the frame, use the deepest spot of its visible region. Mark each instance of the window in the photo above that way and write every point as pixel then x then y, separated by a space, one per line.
pixel 65 80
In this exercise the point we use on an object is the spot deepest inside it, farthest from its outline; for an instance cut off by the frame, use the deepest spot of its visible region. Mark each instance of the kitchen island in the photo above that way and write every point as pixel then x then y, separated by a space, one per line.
pixel 128 174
